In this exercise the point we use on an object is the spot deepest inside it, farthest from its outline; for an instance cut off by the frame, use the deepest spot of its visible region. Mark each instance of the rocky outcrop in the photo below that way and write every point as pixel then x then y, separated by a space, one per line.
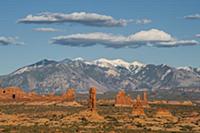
pixel 92 99
pixel 12 93
pixel 90 114
pixel 69 95
pixel 123 100
pixel 161 112
pixel 17 94
pixel 138 109
pixel 144 100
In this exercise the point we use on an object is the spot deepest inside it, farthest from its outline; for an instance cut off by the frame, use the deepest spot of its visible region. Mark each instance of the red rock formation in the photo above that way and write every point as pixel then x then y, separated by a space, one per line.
pixel 123 100
pixel 31 94
pixel 69 95
pixel 12 93
pixel 161 112
pixel 138 109
pixel 17 94
pixel 92 99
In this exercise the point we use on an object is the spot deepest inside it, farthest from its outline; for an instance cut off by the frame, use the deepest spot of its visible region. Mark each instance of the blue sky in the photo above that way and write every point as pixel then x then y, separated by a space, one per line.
pixel 168 16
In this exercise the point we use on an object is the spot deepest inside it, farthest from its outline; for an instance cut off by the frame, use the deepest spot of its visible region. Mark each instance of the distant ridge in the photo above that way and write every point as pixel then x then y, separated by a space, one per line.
pixel 48 76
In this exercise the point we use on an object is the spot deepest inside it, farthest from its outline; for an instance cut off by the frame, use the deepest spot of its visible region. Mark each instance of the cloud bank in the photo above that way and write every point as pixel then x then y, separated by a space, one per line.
pixel 90 19
pixel 152 37
pixel 46 30
pixel 10 41
pixel 193 16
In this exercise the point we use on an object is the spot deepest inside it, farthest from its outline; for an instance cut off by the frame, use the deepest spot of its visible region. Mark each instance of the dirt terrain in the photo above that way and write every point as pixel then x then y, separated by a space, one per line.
pixel 21 113
pixel 54 118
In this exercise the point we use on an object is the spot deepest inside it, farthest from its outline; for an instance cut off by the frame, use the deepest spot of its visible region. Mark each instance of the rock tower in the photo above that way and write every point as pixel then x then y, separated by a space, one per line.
pixel 123 100
pixel 92 99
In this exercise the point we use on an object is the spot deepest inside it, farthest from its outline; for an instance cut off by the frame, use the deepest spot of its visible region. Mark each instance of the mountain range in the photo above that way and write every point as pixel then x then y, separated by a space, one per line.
pixel 49 76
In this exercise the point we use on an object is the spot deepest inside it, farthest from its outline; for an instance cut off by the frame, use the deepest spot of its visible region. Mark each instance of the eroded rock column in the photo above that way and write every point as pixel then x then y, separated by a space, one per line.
pixel 92 99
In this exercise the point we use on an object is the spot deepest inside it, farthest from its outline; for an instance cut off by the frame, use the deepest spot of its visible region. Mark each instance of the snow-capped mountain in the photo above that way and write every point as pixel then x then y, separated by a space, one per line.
pixel 35 66
pixel 102 62
pixel 185 68
pixel 107 75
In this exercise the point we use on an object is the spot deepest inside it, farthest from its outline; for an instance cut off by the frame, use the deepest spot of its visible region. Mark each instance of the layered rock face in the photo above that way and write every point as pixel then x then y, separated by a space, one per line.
pixel 123 100
pixel 92 99
pixel 12 93
pixel 17 94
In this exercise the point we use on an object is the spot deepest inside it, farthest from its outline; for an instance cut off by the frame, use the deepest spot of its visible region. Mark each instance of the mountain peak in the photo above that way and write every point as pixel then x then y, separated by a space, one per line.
pixel 36 65
pixel 103 62
pixel 137 63
pixel 185 68
pixel 42 63
pixel 78 59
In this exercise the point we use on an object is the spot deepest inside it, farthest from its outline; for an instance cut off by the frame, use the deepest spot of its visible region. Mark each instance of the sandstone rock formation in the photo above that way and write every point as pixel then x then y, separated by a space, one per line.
pixel 92 99
pixel 161 112
pixel 87 115
pixel 138 109
pixel 69 95
pixel 12 93
pixel 123 100
pixel 17 94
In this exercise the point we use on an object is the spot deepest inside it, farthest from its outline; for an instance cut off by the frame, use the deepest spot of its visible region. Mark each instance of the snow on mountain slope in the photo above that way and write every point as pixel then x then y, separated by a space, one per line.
pixel 185 68
pixel 26 69
pixel 115 63
pixel 110 63
pixel 166 73
pixel 104 73
pixel 137 63
pixel 37 65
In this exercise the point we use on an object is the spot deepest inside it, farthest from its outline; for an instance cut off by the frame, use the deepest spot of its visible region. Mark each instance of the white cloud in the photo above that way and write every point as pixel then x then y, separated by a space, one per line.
pixel 176 43
pixel 143 21
pixel 91 19
pixel 193 16
pixel 197 35
pixel 10 41
pixel 46 30
pixel 152 37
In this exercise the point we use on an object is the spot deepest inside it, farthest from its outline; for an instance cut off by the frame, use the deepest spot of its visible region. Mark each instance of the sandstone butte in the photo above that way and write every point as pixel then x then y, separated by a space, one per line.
pixel 123 100
pixel 10 94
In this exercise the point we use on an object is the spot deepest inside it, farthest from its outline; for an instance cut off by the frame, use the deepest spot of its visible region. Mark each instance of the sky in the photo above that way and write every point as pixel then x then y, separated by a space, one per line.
pixel 152 32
